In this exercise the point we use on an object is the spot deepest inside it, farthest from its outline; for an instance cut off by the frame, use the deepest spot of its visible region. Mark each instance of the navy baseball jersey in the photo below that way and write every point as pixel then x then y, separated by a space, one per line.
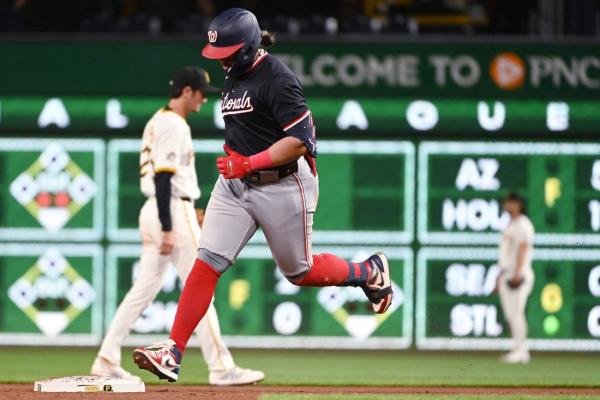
pixel 265 106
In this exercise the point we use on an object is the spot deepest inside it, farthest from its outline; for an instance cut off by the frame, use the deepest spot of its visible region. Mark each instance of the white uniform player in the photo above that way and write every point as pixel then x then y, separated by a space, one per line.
pixel 515 281
pixel 170 231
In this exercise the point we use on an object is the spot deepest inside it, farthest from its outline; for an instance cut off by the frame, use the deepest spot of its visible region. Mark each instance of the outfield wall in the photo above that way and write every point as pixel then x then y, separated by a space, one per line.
pixel 419 142
pixel 69 245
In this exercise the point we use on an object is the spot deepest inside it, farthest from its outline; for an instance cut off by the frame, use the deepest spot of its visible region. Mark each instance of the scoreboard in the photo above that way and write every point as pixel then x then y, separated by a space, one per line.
pixel 51 294
pixel 461 185
pixel 456 310
pixel 471 116
pixel 356 205
pixel 69 245
pixel 417 147
pixel 52 189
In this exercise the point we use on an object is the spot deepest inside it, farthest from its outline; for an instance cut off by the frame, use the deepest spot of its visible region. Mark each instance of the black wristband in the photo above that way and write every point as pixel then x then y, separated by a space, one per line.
pixel 162 183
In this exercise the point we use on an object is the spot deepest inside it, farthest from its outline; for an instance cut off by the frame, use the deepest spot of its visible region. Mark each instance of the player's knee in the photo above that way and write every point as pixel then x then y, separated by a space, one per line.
pixel 299 279
pixel 218 262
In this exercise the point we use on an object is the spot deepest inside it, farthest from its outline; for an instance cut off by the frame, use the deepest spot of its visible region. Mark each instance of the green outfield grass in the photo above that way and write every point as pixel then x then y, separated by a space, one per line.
pixel 344 368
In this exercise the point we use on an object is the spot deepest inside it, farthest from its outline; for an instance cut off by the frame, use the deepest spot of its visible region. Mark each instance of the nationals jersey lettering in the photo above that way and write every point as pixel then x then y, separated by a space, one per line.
pixel 167 147
pixel 264 106
pixel 237 105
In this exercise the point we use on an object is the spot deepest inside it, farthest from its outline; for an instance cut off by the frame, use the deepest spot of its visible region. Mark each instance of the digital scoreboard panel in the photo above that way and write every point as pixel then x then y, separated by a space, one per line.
pixel 52 189
pixel 457 309
pixel 357 204
pixel 417 146
pixel 461 186
pixel 67 202
pixel 51 294
pixel 258 307
pixel 93 115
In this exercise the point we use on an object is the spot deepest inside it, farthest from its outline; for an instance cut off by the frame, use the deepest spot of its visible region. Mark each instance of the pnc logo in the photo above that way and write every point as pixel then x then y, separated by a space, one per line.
pixel 507 71
pixel 212 36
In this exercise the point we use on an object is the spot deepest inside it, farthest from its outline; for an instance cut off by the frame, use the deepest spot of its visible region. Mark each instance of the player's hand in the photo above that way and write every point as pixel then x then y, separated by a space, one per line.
pixel 167 243
pixel 515 282
pixel 200 216
pixel 234 165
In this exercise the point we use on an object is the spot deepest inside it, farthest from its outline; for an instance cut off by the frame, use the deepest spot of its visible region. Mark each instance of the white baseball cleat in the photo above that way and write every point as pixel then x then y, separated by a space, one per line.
pixel 516 357
pixel 235 376
pixel 103 367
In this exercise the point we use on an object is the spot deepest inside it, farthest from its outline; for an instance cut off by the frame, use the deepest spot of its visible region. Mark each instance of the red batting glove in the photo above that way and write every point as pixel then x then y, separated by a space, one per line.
pixel 234 165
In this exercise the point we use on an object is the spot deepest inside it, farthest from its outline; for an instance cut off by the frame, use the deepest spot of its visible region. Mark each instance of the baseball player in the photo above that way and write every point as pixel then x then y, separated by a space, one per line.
pixel 268 179
pixel 515 280
pixel 170 231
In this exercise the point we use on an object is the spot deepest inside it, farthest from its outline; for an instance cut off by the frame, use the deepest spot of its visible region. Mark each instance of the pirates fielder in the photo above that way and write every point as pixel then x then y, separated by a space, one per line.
pixel 516 275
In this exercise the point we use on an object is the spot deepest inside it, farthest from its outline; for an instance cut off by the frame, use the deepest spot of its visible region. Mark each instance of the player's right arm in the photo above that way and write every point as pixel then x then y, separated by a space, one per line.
pixel 285 98
pixel 282 152
pixel 517 278
pixel 166 155
pixel 524 239
pixel 162 182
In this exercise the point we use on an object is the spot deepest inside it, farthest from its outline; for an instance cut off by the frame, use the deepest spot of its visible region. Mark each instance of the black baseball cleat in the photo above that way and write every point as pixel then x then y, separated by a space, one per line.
pixel 379 292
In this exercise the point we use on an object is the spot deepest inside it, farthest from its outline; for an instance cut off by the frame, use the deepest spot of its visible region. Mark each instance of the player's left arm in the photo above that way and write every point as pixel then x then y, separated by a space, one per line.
pixel 286 100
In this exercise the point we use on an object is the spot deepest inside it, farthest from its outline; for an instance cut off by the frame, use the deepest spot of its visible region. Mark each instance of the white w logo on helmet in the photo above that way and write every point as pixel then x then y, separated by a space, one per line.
pixel 212 36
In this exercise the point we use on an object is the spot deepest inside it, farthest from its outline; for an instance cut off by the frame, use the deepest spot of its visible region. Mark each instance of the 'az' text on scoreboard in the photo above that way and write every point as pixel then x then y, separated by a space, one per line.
pixel 461 186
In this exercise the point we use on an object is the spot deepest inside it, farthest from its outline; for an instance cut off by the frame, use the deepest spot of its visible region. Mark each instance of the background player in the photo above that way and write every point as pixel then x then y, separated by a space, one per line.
pixel 268 179
pixel 170 231
pixel 515 281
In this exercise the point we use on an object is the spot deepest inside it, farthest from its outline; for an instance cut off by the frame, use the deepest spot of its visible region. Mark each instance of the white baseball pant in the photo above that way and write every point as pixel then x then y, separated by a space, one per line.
pixel 153 268
pixel 513 303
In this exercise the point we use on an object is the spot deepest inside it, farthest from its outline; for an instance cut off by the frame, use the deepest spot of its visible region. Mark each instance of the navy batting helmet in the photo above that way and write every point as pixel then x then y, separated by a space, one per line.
pixel 232 30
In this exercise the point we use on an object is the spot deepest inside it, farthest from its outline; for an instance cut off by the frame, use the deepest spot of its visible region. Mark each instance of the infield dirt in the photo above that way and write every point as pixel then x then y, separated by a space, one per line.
pixel 162 392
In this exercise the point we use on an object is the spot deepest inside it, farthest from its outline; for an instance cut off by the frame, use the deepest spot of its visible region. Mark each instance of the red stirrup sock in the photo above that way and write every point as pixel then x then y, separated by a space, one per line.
pixel 194 301
pixel 330 270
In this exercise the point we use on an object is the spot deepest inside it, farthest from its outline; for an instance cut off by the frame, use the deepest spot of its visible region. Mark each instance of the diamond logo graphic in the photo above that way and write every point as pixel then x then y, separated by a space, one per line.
pixel 52 293
pixel 53 189
pixel 351 309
